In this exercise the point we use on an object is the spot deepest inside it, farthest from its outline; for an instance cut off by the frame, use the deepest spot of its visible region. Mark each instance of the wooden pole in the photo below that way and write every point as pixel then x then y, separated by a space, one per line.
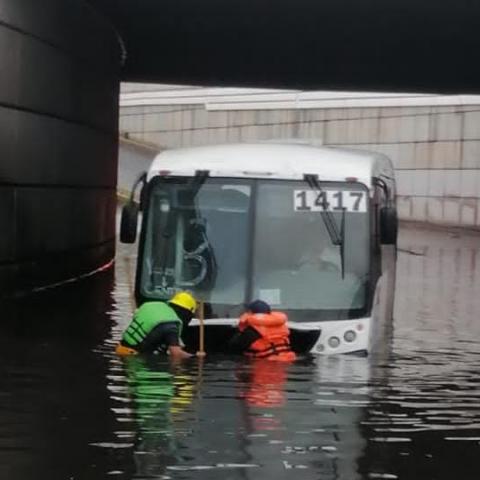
pixel 201 317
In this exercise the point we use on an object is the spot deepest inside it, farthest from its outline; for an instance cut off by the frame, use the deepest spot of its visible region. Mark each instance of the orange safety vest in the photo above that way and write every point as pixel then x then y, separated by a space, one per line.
pixel 274 343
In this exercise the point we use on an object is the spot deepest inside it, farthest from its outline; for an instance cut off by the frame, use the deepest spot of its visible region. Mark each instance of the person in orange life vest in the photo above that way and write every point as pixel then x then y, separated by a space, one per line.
pixel 263 334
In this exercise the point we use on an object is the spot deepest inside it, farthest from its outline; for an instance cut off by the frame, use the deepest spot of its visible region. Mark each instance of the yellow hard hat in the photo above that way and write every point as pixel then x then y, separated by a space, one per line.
pixel 184 300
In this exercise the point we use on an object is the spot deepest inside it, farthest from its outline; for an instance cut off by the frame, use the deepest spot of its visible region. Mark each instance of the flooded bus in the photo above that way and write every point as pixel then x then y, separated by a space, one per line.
pixel 310 230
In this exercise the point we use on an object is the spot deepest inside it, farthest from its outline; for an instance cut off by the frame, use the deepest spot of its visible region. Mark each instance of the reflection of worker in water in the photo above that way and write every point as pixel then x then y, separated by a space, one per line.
pixel 264 387
pixel 158 326
pixel 159 400
pixel 263 334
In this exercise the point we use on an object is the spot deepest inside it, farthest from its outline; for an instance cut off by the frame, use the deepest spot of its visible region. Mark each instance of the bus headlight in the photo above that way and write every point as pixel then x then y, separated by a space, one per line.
pixel 333 342
pixel 349 336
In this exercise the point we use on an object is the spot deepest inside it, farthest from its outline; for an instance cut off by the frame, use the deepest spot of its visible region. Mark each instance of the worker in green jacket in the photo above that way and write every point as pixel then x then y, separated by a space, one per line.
pixel 158 326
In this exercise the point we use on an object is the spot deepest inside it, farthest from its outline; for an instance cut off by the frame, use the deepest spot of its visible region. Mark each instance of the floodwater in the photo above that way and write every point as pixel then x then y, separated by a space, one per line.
pixel 70 409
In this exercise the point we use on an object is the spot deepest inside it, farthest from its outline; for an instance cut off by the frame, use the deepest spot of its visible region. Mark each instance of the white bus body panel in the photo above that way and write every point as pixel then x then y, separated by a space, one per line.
pixel 282 162
pixel 335 328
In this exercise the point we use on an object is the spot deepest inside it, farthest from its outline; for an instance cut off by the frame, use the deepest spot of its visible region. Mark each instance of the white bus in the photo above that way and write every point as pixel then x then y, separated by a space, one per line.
pixel 310 230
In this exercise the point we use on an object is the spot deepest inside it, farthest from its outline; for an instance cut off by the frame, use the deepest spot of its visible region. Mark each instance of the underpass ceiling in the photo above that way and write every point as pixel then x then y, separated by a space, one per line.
pixel 376 45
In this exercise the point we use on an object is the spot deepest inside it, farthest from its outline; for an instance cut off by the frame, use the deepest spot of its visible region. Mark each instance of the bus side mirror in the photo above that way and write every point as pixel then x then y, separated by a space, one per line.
pixel 388 226
pixel 129 223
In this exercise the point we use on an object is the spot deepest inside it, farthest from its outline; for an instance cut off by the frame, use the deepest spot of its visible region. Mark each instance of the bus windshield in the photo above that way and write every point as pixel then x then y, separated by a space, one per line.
pixel 233 240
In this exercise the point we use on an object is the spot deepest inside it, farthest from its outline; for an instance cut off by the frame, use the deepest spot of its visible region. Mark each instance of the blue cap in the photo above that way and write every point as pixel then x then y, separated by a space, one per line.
pixel 259 306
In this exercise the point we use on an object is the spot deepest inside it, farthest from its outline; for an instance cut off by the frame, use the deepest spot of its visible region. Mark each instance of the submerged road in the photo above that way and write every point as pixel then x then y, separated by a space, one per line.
pixel 70 409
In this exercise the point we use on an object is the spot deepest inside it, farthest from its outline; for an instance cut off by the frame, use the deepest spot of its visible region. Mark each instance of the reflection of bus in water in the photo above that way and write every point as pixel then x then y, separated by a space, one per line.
pixel 310 230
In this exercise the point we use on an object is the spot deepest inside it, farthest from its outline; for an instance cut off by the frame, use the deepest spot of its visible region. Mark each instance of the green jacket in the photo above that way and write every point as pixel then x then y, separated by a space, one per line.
pixel 146 318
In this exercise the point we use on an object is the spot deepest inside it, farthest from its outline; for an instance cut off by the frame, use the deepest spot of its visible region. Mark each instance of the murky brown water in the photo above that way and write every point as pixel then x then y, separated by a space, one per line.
pixel 70 409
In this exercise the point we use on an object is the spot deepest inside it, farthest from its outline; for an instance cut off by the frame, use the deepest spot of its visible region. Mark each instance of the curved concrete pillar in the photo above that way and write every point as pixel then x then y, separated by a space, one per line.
pixel 59 78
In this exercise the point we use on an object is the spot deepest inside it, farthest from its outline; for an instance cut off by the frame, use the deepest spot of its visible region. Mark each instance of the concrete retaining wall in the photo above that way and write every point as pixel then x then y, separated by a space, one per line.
pixel 435 150
pixel 59 66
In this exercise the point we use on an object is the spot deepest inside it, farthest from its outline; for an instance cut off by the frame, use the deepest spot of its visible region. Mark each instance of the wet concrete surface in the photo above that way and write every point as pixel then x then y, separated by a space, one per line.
pixel 70 409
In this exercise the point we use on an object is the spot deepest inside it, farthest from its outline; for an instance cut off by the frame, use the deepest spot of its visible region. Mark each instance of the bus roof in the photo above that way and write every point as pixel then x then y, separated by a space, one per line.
pixel 276 161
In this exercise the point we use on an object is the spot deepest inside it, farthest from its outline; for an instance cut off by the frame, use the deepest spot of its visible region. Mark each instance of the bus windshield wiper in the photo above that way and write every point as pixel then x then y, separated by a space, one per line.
pixel 337 237
pixel 342 243
pixel 198 180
